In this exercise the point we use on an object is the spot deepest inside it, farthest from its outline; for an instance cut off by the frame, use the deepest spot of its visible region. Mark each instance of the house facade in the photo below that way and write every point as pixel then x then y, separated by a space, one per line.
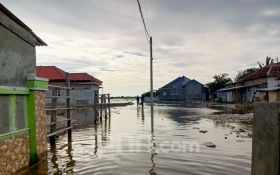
pixel 195 91
pixel 84 87
pixel 183 89
pixel 22 123
pixel 262 85
pixel 173 91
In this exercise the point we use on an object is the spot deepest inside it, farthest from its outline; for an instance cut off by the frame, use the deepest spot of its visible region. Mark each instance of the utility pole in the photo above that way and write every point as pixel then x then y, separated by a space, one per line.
pixel 151 73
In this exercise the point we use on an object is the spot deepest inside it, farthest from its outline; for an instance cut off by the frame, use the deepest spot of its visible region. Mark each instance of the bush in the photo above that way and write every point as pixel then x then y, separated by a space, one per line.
pixel 219 100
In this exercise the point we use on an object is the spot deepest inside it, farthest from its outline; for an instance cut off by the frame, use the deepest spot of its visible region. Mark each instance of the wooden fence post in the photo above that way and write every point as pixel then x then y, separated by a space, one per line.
pixel 101 106
pixel 68 105
pixel 109 107
pixel 95 108
pixel 105 104
pixel 53 115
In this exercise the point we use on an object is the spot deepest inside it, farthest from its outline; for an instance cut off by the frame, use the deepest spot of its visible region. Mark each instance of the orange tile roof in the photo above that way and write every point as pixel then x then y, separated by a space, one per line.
pixel 272 70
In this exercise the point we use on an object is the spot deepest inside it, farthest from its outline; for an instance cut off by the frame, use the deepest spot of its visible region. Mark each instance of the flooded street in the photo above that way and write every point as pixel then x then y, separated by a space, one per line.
pixel 135 141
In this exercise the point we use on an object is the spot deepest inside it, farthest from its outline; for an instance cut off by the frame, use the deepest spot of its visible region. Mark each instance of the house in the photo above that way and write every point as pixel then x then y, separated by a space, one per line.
pixel 229 94
pixel 84 87
pixel 22 127
pixel 183 89
pixel 195 91
pixel 269 80
pixel 262 85
pixel 173 91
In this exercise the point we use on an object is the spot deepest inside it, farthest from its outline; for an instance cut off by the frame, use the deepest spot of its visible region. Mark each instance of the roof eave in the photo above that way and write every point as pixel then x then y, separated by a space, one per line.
pixel 38 42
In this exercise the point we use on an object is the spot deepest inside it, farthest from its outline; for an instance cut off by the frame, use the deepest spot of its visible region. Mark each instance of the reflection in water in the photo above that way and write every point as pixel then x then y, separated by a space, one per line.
pixel 139 145
pixel 71 163
pixel 152 144
pixel 54 159
pixel 138 111
pixel 105 131
pixel 96 140
pixel 143 116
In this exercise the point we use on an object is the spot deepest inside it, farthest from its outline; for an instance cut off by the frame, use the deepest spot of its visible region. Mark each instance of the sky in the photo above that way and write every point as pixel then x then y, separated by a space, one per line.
pixel 195 38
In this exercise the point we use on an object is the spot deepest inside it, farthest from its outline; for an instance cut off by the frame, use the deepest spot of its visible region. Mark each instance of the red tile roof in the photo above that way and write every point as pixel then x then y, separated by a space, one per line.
pixel 272 70
pixel 84 77
pixel 53 73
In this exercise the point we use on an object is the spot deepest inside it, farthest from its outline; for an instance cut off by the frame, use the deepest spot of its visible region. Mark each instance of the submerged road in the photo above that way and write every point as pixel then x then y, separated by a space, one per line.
pixel 131 143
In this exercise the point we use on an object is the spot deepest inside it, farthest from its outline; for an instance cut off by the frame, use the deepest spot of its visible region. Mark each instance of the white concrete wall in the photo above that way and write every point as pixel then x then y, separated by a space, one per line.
pixel 272 82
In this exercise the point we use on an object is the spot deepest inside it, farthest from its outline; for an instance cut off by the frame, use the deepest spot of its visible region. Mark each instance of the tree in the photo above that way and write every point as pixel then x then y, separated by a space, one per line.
pixel 219 82
pixel 268 61
pixel 242 74
pixel 147 94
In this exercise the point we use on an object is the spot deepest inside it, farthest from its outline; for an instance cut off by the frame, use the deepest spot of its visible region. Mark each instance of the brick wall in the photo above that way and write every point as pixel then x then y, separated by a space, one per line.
pixel 14 154
pixel 41 125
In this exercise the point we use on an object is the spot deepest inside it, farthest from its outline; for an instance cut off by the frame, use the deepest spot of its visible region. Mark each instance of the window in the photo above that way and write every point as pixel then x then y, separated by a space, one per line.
pixel 59 93
pixel 13 113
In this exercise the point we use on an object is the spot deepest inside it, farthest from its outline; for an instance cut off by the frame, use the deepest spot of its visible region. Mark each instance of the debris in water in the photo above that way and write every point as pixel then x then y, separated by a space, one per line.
pixel 203 131
pixel 209 144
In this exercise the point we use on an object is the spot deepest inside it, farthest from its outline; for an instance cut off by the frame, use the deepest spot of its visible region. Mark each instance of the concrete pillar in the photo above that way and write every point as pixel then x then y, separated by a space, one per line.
pixel 36 118
pixel 41 129
pixel 265 152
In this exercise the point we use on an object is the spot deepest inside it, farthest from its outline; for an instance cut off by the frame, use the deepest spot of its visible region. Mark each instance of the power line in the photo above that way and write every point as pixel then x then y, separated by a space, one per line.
pixel 142 17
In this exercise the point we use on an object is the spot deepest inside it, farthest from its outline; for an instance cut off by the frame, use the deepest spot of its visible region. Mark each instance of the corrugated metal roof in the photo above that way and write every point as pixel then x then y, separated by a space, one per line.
pixel 182 78
pixel 231 88
pixel 269 89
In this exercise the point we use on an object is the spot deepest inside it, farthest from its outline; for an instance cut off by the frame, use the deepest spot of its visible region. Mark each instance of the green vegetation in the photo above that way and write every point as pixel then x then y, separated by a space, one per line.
pixel 242 74
pixel 246 122
pixel 147 94
pixel 219 82
pixel 268 60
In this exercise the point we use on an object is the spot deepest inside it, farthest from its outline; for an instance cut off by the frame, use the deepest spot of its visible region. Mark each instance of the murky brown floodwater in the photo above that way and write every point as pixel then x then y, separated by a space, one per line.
pixel 131 143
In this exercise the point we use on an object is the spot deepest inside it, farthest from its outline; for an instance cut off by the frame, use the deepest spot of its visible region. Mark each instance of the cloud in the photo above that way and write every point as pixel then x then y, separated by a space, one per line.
pixel 139 54
pixel 193 38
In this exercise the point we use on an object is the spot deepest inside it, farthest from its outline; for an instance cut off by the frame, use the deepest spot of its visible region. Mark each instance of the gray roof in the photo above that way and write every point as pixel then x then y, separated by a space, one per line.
pixel 231 88
pixel 183 79
pixel 269 89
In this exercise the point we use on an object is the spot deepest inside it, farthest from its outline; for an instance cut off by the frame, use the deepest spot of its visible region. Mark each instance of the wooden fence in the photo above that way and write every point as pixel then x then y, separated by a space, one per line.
pixel 55 109
pixel 102 108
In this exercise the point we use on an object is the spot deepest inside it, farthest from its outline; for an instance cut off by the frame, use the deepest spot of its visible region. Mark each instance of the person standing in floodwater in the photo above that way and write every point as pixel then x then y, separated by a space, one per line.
pixel 142 100
pixel 137 99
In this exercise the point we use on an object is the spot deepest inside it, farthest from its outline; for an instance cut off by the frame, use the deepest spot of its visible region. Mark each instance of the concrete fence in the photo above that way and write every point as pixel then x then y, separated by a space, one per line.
pixel 265 154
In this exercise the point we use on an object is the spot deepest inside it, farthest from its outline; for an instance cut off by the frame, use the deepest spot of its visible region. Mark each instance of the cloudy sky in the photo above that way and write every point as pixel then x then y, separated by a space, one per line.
pixel 195 38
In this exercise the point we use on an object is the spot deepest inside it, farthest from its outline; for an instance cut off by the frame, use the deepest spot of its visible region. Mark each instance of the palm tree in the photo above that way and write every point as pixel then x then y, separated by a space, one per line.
pixel 268 61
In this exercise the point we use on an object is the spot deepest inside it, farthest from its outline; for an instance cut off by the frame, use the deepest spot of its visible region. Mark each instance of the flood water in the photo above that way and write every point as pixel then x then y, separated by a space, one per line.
pixel 136 141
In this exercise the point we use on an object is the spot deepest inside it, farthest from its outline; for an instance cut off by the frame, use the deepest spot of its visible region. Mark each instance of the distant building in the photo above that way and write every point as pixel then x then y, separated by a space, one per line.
pixel 183 89
pixel 84 87
pixel 173 91
pixel 195 91
pixel 262 85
